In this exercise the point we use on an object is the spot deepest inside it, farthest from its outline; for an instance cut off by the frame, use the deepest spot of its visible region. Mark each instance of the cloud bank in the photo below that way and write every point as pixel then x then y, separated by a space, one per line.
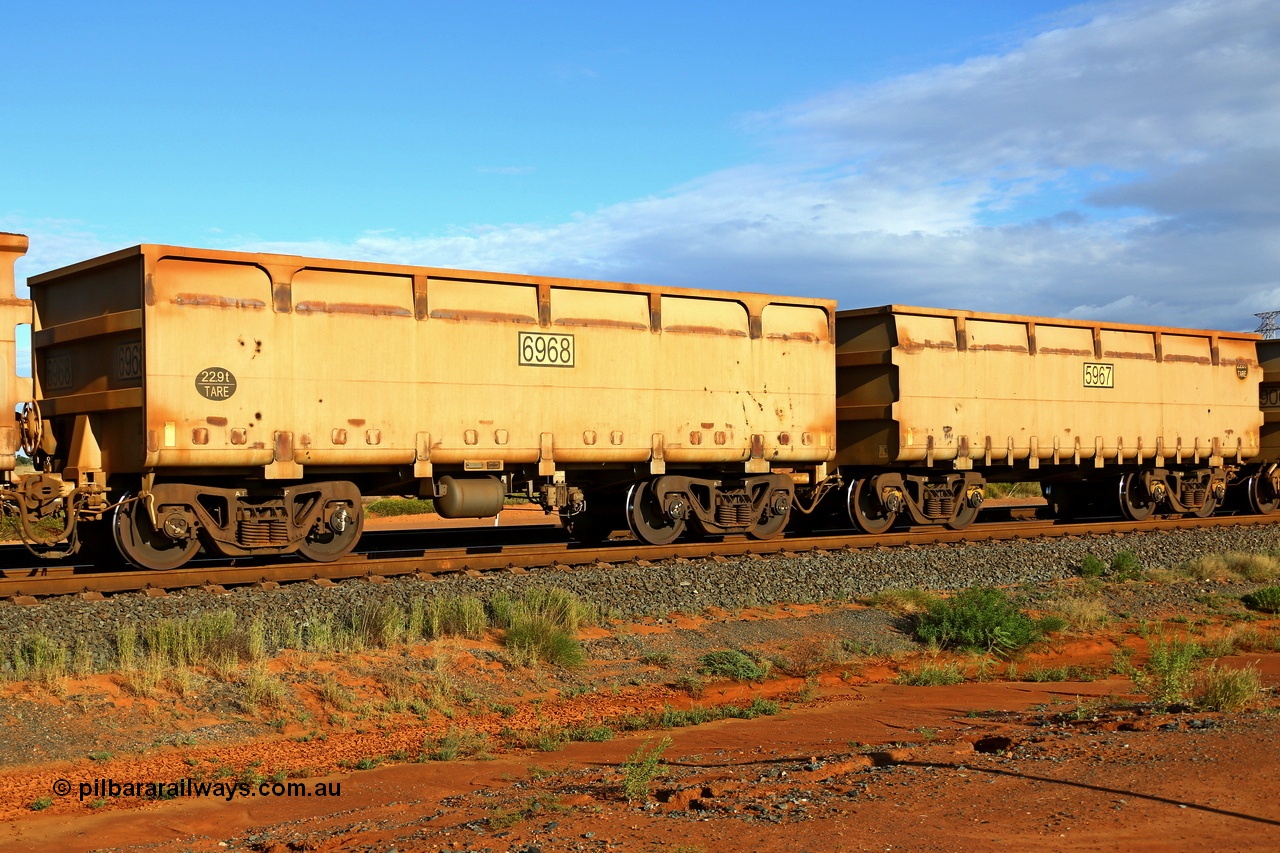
pixel 1125 168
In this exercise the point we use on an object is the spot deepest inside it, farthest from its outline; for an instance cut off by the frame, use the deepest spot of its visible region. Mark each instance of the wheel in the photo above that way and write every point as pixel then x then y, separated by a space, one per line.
pixel 1135 503
pixel 647 520
pixel 1262 497
pixel 963 518
pixel 770 524
pixel 329 544
pixel 143 545
pixel 865 510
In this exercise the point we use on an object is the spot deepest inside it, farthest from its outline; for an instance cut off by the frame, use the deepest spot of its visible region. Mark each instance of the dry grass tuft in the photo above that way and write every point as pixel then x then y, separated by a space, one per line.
pixel 1229 689
pixel 904 602
pixel 1233 565
pixel 1082 614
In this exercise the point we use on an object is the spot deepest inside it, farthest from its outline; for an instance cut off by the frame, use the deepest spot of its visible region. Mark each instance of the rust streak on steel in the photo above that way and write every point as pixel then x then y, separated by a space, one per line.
pixel 65 580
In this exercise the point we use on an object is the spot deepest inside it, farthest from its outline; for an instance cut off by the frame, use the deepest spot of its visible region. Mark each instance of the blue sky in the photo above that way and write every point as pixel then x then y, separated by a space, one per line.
pixel 1118 160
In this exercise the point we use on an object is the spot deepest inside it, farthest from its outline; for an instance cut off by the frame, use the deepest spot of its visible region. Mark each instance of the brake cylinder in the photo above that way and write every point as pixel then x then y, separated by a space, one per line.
pixel 469 497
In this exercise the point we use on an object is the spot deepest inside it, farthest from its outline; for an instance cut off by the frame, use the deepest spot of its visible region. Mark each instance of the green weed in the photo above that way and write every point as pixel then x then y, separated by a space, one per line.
pixel 732 664
pixel 978 619
pixel 1266 600
pixel 640 769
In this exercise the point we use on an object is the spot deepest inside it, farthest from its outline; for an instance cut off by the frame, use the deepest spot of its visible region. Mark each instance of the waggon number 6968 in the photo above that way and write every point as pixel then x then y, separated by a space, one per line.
pixel 542 350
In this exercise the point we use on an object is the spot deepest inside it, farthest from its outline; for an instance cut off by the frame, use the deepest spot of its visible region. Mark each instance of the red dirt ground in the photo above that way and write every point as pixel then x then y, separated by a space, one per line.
pixel 850 763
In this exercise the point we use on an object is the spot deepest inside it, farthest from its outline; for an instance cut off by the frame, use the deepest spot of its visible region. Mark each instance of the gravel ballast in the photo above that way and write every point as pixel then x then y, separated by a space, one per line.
pixel 628 590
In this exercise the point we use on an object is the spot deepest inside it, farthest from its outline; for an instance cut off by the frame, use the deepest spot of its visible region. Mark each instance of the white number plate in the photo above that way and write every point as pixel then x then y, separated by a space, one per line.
pixel 1099 375
pixel 540 350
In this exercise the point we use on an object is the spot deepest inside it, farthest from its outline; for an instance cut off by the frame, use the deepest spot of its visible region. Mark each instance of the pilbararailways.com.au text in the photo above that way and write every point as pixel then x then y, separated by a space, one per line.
pixel 102 789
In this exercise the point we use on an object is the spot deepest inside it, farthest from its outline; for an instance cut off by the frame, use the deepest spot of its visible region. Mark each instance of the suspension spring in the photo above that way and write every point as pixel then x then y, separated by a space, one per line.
pixel 939 506
pixel 1193 495
pixel 256 533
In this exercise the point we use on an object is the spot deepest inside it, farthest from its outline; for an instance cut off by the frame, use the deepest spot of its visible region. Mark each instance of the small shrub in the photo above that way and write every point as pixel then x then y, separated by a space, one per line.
pixel 540 625
pixel 539 804
pixel 1229 689
pixel 978 619
pixel 1051 624
pixel 1092 567
pixel 1242 638
pixel 535 639
pixel 1125 566
pixel 335 695
pixel 691 684
pixel 732 664
pixel 1168 676
pixel 590 734
pixel 455 745
pixel 1266 599
pixel 810 656
pixel 758 708
pixel 640 769
pixel 39 658
pixel 262 690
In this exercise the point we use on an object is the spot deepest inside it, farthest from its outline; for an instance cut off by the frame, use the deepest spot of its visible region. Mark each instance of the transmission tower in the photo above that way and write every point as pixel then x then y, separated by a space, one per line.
pixel 1268 328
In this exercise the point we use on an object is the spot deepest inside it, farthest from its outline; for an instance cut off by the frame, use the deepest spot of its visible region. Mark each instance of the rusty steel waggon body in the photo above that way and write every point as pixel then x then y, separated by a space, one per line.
pixel 932 404
pixel 245 403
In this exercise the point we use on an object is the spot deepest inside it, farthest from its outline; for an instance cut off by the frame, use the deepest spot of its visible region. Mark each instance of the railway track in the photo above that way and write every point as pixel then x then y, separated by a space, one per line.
pixel 394 553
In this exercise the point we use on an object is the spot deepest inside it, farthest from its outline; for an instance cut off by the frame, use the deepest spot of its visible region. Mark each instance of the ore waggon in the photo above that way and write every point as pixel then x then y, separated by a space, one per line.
pixel 247 402
pixel 1130 420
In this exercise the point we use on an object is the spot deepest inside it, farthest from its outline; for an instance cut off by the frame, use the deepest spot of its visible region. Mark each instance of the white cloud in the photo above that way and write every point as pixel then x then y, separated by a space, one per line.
pixel 1123 168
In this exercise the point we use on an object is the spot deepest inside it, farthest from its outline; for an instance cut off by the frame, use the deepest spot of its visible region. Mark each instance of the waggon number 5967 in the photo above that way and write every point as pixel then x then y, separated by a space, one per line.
pixel 1099 375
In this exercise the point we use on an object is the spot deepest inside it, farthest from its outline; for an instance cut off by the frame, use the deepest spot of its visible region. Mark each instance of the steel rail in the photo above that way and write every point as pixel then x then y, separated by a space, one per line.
pixel 25 584
pixel 28 583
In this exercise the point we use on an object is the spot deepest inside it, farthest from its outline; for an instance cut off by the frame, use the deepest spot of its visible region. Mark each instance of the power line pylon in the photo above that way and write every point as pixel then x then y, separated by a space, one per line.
pixel 1268 328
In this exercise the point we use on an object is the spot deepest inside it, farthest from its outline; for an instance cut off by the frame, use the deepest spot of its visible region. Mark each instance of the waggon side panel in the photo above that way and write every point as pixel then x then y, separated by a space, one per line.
pixel 274 361
pixel 925 387
pixel 212 340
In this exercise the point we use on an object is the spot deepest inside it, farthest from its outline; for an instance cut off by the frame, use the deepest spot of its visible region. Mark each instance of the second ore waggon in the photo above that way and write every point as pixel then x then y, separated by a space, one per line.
pixel 1109 418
